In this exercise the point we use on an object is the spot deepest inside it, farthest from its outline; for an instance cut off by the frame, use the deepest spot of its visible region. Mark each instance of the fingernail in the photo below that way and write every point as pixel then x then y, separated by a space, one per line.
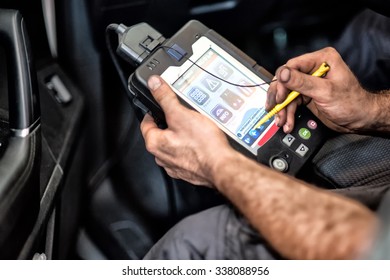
pixel 154 83
pixel 286 128
pixel 284 75
pixel 267 100
pixel 277 120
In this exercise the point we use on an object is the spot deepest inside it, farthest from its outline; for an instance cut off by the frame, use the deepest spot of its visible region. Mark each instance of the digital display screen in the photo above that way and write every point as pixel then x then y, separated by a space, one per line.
pixel 236 108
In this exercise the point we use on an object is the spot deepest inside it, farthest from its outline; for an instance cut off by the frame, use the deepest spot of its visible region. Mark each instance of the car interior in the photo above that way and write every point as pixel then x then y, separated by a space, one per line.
pixel 76 181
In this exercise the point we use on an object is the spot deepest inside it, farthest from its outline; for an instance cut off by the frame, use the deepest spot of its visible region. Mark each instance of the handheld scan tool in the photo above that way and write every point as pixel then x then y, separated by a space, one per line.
pixel 212 76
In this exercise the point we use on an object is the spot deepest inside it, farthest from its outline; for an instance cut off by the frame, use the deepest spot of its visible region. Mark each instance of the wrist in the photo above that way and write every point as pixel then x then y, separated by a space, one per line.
pixel 220 165
pixel 377 117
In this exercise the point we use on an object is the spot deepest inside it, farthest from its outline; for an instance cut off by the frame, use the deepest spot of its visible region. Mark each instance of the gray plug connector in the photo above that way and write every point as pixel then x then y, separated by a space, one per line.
pixel 137 42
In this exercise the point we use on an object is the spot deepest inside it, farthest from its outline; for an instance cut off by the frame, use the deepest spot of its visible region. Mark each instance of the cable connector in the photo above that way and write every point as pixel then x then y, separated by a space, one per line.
pixel 136 42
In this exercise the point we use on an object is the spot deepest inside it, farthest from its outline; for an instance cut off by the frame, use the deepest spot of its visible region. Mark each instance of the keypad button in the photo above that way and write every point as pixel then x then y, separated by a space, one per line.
pixel 312 124
pixel 288 140
pixel 302 150
pixel 304 133
pixel 279 164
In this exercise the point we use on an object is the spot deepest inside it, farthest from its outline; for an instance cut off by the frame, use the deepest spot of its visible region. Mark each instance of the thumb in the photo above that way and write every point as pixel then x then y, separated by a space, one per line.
pixel 162 93
pixel 301 82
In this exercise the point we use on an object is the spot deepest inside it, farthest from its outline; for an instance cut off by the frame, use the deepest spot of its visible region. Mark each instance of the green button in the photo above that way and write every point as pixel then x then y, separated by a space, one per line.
pixel 304 133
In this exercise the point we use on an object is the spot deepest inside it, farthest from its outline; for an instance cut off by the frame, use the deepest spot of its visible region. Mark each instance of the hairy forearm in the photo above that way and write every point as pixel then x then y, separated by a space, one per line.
pixel 380 114
pixel 299 221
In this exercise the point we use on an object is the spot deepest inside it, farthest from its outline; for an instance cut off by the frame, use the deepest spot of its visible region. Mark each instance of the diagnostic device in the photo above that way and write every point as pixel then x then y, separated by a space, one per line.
pixel 212 76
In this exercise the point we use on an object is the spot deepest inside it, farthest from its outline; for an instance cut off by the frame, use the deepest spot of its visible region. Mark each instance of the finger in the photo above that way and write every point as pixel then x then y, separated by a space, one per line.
pixel 149 132
pixel 162 93
pixel 275 119
pixel 282 91
pixel 171 172
pixel 271 95
pixel 290 117
pixel 160 162
pixel 309 62
pixel 303 83
pixel 281 118
pixel 147 124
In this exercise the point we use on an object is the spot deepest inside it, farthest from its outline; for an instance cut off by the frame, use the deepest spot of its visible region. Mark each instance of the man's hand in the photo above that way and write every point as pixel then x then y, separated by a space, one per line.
pixel 191 145
pixel 337 99
pixel 298 220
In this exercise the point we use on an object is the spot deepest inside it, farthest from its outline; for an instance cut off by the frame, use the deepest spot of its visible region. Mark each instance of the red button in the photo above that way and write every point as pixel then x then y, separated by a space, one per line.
pixel 312 124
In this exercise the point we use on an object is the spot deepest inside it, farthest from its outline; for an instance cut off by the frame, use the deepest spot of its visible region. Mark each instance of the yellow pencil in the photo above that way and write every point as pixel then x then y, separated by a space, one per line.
pixel 320 72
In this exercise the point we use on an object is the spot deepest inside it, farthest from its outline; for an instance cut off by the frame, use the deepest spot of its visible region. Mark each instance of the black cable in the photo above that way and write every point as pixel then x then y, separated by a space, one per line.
pixel 114 27
pixel 110 162
pixel 123 144
pixel 212 74
pixel 122 77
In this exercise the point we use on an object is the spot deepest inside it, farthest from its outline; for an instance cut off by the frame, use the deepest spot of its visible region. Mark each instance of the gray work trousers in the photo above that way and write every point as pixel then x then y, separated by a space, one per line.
pixel 216 233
